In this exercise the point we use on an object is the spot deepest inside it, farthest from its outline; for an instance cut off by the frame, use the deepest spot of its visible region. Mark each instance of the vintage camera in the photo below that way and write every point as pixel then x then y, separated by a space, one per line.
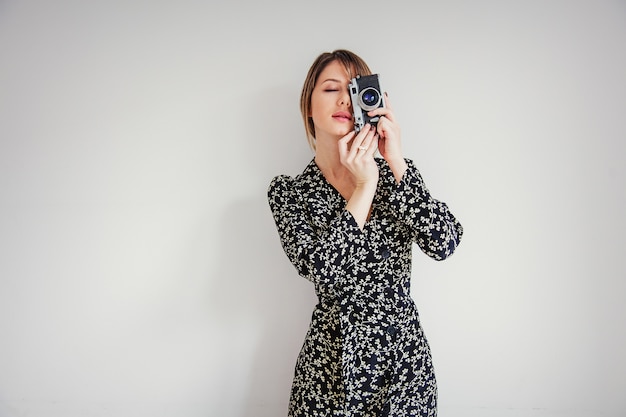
pixel 366 96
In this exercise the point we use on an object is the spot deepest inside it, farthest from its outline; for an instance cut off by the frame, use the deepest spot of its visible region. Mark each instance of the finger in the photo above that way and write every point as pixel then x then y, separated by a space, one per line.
pixel 381 126
pixel 382 112
pixel 360 138
pixel 387 103
pixel 368 143
pixel 371 137
pixel 345 141
pixel 343 144
pixel 373 146
pixel 386 124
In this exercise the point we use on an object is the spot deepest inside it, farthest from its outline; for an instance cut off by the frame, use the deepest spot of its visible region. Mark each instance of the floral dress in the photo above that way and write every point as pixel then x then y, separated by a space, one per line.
pixel 365 353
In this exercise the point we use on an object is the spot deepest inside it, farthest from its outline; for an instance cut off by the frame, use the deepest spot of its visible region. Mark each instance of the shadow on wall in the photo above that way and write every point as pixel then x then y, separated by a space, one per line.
pixel 255 286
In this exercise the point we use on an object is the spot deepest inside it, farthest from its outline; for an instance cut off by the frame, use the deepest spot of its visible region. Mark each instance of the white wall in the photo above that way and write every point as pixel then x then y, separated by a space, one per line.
pixel 140 272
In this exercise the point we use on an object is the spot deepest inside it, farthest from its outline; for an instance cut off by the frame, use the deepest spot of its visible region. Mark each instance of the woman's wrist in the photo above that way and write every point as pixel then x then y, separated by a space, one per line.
pixel 398 166
pixel 361 201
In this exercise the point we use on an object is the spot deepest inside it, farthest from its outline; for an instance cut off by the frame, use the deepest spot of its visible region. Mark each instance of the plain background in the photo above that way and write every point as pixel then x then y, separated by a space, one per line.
pixel 140 271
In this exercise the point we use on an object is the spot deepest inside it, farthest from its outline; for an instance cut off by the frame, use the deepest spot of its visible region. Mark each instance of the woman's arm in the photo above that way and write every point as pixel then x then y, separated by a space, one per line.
pixel 433 227
pixel 319 256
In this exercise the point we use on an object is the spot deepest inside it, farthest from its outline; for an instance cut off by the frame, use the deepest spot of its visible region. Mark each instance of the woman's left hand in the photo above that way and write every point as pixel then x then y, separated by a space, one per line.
pixel 389 144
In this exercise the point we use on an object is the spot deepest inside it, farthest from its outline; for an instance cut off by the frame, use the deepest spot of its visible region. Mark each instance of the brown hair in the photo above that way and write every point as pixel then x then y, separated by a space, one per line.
pixel 353 63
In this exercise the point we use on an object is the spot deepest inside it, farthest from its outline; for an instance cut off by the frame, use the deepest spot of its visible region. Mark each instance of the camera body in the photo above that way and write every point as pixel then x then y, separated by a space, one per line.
pixel 366 95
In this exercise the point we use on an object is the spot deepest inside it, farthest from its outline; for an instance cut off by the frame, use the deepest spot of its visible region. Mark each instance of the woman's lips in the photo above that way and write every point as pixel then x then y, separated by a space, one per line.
pixel 343 116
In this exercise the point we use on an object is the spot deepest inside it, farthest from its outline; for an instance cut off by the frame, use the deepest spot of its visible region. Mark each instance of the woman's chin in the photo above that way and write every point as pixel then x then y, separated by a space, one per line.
pixel 344 130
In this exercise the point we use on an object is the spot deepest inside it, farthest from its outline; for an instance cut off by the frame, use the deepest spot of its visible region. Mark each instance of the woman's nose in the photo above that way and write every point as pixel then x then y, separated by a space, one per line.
pixel 345 99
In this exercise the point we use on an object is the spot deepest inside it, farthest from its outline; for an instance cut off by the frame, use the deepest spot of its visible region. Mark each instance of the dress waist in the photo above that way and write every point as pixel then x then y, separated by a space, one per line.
pixel 352 309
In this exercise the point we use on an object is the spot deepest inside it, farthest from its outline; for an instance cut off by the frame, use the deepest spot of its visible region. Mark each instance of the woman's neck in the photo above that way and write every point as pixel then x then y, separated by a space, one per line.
pixel 327 159
pixel 328 162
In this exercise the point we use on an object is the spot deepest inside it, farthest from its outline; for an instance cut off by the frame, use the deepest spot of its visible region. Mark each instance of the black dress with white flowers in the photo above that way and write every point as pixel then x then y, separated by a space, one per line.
pixel 365 353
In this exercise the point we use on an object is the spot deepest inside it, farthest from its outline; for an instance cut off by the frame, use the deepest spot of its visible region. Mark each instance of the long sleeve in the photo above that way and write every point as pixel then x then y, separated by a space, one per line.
pixel 319 254
pixel 432 226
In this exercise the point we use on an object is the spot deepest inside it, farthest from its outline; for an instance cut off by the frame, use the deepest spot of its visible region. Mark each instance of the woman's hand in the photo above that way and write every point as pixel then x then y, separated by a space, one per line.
pixel 356 153
pixel 389 143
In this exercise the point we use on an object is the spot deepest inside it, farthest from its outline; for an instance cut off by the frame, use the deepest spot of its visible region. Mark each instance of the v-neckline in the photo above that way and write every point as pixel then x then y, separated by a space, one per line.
pixel 370 215
pixel 335 190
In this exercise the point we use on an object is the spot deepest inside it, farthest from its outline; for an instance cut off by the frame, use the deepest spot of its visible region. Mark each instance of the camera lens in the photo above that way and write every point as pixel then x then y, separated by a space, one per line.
pixel 369 99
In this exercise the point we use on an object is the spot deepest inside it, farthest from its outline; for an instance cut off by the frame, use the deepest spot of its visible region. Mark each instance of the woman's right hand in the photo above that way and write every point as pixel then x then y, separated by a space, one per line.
pixel 356 153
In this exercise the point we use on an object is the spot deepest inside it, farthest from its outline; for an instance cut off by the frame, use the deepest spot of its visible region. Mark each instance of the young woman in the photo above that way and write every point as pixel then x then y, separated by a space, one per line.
pixel 347 223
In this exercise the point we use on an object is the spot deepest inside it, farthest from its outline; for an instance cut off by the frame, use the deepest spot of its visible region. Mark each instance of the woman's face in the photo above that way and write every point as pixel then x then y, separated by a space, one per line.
pixel 331 108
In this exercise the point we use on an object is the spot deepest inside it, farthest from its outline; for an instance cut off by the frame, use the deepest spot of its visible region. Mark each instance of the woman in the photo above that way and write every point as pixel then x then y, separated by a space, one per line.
pixel 347 223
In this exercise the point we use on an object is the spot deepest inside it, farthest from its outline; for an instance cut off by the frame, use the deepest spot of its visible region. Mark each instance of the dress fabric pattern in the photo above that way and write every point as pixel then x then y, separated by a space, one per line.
pixel 365 354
